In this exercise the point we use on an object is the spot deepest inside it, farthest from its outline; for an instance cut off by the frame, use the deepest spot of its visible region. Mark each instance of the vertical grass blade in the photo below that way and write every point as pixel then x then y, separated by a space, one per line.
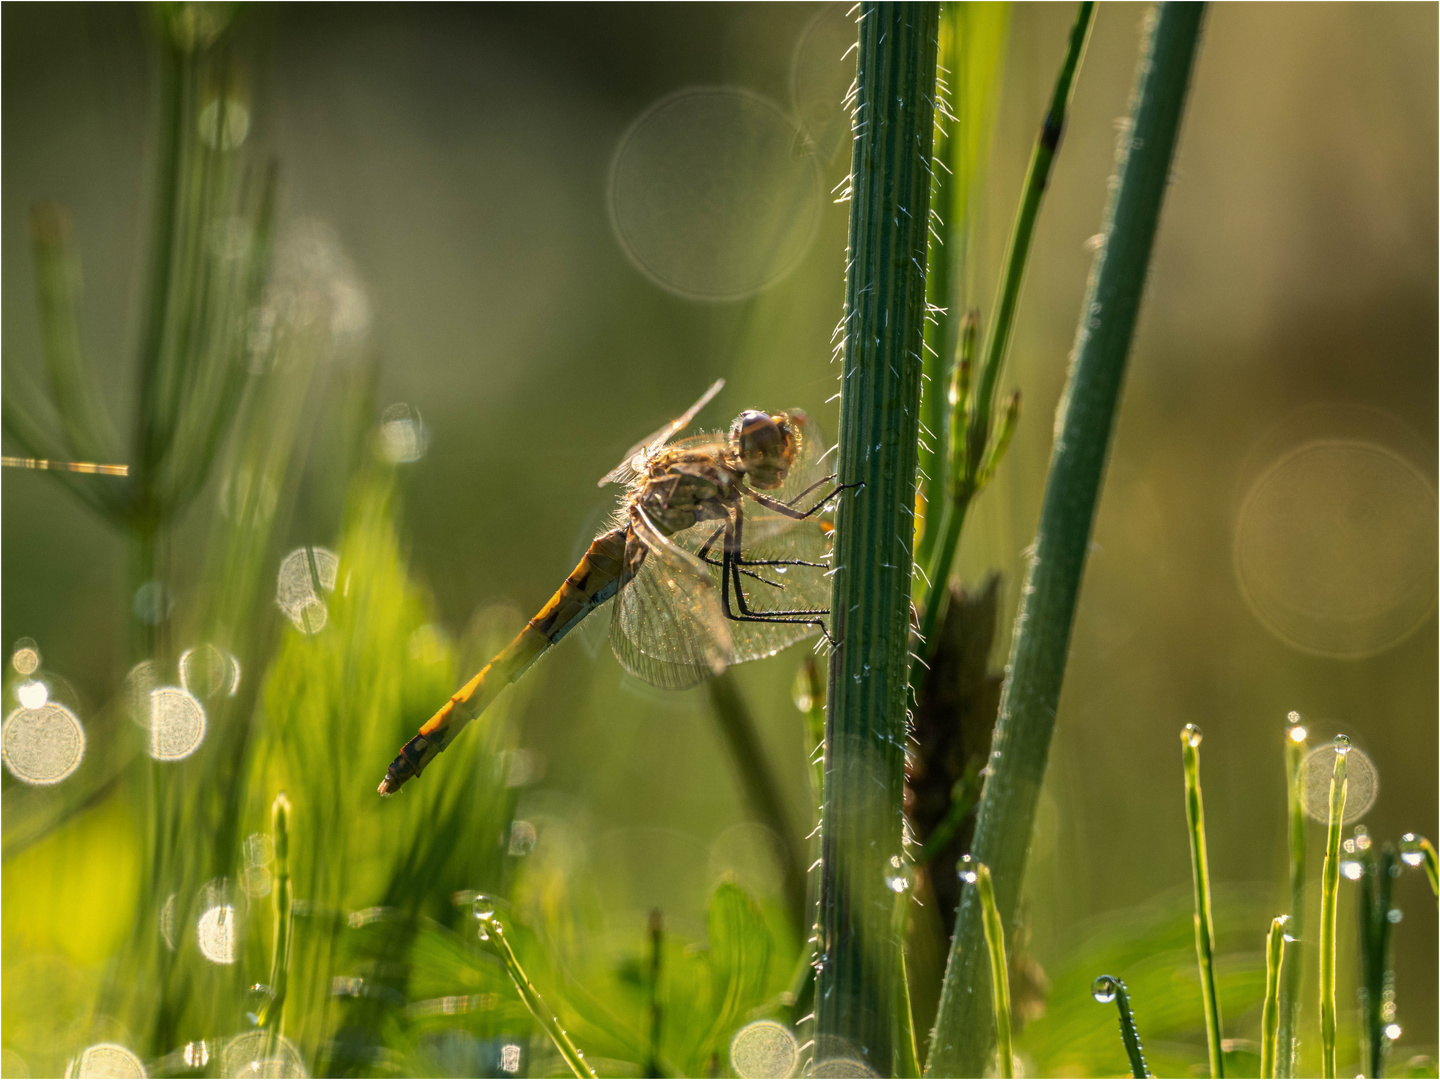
pixel 1329 895
pixel 965 480
pixel 1415 850
pixel 1021 743
pixel 492 933
pixel 1107 988
pixel 657 949
pixel 875 527
pixel 280 956
pixel 999 971
pixel 1295 749
pixel 1270 1012
pixel 1204 920
pixel 1376 975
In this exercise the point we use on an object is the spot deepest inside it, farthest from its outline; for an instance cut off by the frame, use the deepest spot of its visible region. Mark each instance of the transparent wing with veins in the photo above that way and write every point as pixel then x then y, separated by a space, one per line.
pixel 632 465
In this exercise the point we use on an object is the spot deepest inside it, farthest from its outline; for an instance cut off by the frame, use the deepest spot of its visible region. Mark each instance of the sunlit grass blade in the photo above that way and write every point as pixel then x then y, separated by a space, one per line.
pixel 1295 750
pixel 1039 648
pixel 1204 920
pixel 1107 988
pixel 273 1015
pixel 1270 1012
pixel 1377 978
pixel 999 970
pixel 1415 850
pixel 863 813
pixel 907 1057
pixel 492 933
pixel 1329 897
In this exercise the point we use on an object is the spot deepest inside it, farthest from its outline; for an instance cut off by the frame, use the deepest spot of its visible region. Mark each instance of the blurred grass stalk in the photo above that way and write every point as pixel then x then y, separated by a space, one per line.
pixel 862 817
pixel 1204 919
pixel 1329 897
pixel 1289 1026
pixel 1270 1011
pixel 999 971
pixel 1377 978
pixel 973 456
pixel 1037 660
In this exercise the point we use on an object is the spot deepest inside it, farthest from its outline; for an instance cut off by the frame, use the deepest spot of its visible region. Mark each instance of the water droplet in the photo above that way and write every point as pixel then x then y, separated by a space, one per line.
pixel 764 1048
pixel 705 197
pixel 1341 744
pixel 1192 735
pixel 26 656
pixel 1412 851
pixel 896 883
pixel 1394 915
pixel 510 1057
pixel 1393 1032
pixel 177 724
pixel 1351 869
pixel 404 438
pixel 1295 728
pixel 32 694
pixel 1348 845
pixel 107 1060
pixel 304 574
pixel 1361 787
pixel 224 123
pixel 1103 989
pixel 965 868
pixel 1362 838
pixel 482 907
pixel 42 746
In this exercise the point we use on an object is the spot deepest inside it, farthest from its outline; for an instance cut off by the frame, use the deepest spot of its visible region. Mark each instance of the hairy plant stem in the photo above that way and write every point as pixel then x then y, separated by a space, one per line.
pixel 1270 1012
pixel 1295 748
pixel 1204 919
pixel 1021 743
pixel 999 971
pixel 1329 896
pixel 862 815
pixel 966 481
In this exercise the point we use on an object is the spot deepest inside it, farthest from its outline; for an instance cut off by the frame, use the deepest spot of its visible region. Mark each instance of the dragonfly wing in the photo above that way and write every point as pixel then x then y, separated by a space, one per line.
pixel 789 587
pixel 668 627
pixel 626 470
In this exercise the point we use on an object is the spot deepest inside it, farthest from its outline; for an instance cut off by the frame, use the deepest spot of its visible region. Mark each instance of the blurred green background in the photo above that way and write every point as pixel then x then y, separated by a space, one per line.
pixel 455 163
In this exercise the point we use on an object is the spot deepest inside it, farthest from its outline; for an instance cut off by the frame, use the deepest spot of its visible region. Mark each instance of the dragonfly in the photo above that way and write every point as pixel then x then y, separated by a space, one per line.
pixel 718 552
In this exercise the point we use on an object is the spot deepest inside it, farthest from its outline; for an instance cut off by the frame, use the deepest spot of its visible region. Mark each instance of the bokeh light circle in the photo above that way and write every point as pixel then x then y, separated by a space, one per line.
pixel 842 1066
pixel 404 437
pixel 177 723
pixel 42 746
pixel 261 1054
pixel 207 671
pixel 708 195
pixel 1335 547
pixel 304 574
pixel 215 932
pixel 25 656
pixel 107 1060
pixel 764 1048
pixel 1361 788
pixel 821 72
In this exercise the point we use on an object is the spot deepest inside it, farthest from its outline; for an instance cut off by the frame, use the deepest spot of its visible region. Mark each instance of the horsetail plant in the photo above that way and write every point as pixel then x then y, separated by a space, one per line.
pixel 1270 1012
pixel 1204 920
pixel 1295 749
pixel 862 818
pixel 1329 895
pixel 1021 743
pixel 492 933
pixel 1107 988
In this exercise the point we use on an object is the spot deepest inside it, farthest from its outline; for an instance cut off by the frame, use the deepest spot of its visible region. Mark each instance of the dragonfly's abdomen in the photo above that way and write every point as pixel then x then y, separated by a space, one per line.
pixel 595 580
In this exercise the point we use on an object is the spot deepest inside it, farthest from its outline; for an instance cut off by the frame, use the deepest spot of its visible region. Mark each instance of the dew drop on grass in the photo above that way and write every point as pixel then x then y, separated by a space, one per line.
pixel 764 1048
pixel 1394 915
pixel 1412 851
pixel 32 694
pixel 42 746
pixel 965 869
pixel 1351 869
pixel 1393 1032
pixel 1103 989
pixel 1295 728
pixel 108 1060
pixel 1341 744
pixel 1192 735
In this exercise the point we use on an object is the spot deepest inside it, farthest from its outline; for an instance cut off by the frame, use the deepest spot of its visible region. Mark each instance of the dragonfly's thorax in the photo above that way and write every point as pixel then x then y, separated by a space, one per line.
pixel 684 486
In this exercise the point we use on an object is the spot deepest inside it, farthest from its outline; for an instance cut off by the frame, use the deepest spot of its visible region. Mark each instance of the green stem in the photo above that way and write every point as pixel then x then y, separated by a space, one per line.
pixel 1204 920
pixel 1107 988
pixel 907 1055
pixel 280 957
pixel 999 971
pixel 1270 1013
pixel 1021 743
pixel 862 817
pixel 762 788
pixel 1329 895
pixel 1375 971
pixel 492 933
pixel 657 941
pixel 1295 748
pixel 1002 319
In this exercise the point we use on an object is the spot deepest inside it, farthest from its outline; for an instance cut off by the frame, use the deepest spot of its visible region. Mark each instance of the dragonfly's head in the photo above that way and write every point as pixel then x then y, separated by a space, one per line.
pixel 764 446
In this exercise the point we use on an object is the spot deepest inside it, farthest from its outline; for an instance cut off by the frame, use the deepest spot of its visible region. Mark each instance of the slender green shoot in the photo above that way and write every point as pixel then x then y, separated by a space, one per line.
pixel 1415 850
pixel 1028 708
pixel 1270 1013
pixel 657 945
pixel 274 1009
pixel 907 1056
pixel 972 452
pixel 1329 895
pixel 1296 747
pixel 999 968
pixel 1204 920
pixel 1108 988
pixel 492 933
pixel 1377 977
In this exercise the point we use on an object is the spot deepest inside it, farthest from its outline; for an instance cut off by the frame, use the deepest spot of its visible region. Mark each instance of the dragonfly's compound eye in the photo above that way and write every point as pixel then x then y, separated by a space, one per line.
pixel 766 446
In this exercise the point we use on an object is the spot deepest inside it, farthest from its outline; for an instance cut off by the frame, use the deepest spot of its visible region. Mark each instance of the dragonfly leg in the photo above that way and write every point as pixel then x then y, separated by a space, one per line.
pixel 704 554
pixel 789 510
pixel 731 574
